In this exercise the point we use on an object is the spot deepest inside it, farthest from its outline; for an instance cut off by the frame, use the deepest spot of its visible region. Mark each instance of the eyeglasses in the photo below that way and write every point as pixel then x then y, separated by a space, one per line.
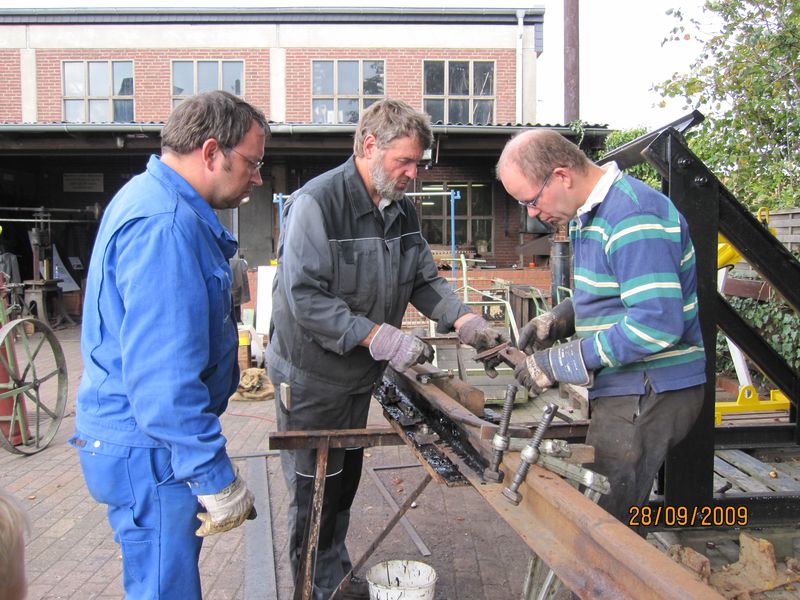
pixel 532 203
pixel 255 165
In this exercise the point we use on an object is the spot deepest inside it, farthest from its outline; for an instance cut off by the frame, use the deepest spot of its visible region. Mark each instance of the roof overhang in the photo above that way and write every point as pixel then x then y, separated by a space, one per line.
pixel 288 139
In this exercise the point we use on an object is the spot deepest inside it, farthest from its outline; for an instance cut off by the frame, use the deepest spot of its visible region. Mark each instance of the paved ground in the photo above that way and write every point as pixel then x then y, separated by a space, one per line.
pixel 71 554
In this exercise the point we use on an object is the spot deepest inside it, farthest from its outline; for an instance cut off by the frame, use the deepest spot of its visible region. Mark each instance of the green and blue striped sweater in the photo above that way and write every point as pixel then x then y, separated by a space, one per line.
pixel 635 293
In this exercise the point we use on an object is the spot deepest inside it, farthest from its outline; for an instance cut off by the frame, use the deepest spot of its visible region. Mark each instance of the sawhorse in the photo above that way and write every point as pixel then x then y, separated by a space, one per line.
pixel 323 441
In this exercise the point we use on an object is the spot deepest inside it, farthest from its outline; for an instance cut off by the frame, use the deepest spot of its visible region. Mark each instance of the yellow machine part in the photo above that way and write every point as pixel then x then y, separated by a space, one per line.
pixel 749 401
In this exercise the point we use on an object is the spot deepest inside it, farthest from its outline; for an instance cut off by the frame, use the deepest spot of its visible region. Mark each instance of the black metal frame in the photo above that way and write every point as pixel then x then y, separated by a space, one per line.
pixel 709 209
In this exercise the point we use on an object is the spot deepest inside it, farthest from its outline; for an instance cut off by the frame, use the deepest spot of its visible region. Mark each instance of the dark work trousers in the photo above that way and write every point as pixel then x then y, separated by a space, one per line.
pixel 631 436
pixel 315 405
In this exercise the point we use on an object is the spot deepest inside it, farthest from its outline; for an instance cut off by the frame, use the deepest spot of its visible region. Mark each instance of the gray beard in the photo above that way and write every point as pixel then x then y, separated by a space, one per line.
pixel 383 185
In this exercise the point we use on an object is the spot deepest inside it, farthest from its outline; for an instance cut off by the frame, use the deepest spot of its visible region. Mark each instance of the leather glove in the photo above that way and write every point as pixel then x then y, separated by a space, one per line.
pixel 400 349
pixel 479 334
pixel 543 331
pixel 226 509
pixel 544 368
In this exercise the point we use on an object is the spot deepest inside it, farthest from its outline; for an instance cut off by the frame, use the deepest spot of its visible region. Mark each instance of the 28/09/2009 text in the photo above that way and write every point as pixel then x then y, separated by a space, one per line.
pixel 688 516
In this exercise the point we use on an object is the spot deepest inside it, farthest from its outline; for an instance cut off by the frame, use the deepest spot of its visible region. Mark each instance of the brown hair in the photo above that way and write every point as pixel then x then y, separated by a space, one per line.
pixel 14 524
pixel 217 114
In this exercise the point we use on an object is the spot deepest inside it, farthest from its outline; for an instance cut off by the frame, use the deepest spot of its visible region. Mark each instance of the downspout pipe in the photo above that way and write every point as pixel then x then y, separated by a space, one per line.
pixel 520 37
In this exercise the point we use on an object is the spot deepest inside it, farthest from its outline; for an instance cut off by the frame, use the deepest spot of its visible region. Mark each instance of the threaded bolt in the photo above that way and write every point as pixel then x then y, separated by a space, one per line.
pixel 529 455
pixel 500 440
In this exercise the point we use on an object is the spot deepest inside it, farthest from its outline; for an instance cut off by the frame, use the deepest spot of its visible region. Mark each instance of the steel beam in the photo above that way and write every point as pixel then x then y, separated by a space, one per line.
pixel 591 552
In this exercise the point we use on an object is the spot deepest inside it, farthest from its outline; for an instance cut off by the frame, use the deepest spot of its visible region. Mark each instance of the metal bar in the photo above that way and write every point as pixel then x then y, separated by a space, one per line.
pixel 760 352
pixel 335 438
pixel 591 552
pixel 412 533
pixel 259 574
pixel 305 572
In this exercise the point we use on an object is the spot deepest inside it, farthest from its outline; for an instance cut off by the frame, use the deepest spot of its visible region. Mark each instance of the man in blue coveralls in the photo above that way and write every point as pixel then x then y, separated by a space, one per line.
pixel 159 348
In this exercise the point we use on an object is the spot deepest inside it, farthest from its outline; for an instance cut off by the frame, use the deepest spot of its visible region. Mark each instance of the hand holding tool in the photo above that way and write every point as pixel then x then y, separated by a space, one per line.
pixel 478 333
pixel 545 330
pixel 226 509
pixel 400 349
pixel 544 368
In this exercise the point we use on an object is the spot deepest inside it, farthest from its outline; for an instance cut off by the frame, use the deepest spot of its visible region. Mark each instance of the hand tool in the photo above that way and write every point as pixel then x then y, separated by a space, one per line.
pixel 529 455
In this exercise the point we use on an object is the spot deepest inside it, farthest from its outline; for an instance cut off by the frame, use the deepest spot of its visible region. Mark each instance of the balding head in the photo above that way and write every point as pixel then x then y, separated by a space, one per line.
pixel 536 152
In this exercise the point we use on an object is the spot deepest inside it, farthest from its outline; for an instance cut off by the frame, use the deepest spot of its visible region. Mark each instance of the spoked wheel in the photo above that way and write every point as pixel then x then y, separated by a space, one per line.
pixel 33 385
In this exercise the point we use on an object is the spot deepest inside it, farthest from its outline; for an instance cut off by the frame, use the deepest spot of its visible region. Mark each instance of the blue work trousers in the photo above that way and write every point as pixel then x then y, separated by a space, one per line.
pixel 152 515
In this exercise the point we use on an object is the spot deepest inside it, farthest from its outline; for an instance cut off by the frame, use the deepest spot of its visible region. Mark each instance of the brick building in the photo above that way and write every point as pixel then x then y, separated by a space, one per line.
pixel 86 92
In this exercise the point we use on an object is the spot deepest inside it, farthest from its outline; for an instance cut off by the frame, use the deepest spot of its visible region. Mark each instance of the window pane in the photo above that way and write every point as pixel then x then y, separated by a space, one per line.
pixel 232 75
pixel 73 79
pixel 176 101
pixel 322 82
pixel 98 79
pixel 73 111
pixel 432 231
pixel 207 76
pixel 373 77
pixel 123 78
pixel 369 102
pixel 435 108
pixel 458 111
pixel 461 231
pixel 434 77
pixel 482 112
pixel 483 84
pixel 482 230
pixel 459 77
pixel 432 206
pixel 123 111
pixel 348 77
pixel 182 78
pixel 461 203
pixel 322 111
pixel 481 199
pixel 348 111
pixel 99 111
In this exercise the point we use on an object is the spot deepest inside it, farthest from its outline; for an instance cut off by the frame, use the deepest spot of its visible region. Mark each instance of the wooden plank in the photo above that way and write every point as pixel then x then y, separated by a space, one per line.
pixel 758 470
pixel 788 468
pixel 735 476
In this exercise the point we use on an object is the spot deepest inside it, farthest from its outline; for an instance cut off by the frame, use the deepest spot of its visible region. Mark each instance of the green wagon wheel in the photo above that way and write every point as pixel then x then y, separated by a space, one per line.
pixel 33 385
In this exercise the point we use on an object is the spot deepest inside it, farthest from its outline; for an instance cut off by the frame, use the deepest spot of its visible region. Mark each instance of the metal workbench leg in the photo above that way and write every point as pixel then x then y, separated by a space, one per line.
pixel 305 572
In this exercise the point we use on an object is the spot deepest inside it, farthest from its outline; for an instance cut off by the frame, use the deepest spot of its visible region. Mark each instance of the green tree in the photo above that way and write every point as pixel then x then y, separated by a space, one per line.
pixel 745 81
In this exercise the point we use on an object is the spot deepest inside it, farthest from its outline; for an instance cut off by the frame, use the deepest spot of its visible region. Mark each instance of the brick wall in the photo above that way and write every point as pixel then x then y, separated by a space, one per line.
pixel 152 77
pixel 11 93
pixel 403 69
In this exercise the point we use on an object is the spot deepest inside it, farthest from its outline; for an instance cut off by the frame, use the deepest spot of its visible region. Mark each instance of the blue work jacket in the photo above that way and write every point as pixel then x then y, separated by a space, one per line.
pixel 158 339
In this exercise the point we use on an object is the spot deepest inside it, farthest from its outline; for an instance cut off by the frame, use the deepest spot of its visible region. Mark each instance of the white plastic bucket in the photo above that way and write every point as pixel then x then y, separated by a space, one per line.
pixel 401 580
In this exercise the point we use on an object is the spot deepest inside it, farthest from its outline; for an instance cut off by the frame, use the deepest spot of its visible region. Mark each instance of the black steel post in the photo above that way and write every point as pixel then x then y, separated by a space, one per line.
pixel 559 268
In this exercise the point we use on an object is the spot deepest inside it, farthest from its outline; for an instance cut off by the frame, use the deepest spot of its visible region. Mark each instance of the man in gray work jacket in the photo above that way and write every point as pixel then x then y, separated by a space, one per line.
pixel 350 259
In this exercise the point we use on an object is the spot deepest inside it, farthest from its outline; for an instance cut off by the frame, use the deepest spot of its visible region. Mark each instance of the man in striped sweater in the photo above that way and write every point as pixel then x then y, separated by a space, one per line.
pixel 638 347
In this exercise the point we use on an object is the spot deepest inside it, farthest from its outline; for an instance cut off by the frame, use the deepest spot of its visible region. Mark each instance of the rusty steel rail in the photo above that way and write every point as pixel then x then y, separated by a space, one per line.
pixel 591 552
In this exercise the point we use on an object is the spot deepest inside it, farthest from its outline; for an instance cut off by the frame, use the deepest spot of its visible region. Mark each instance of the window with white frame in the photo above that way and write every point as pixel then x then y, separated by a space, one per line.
pixel 341 89
pixel 190 77
pixel 459 91
pixel 473 213
pixel 98 91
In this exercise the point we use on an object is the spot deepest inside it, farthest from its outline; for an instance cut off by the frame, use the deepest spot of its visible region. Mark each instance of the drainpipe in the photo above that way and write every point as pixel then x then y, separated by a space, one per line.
pixel 520 34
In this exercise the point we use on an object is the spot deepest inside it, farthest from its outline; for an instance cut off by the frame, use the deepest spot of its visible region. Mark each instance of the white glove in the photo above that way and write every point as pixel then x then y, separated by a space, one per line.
pixel 226 509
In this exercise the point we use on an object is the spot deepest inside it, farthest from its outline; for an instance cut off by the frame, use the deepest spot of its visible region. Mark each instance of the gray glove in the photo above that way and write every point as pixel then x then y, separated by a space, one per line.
pixel 545 330
pixel 544 368
pixel 226 509
pixel 477 333
pixel 400 349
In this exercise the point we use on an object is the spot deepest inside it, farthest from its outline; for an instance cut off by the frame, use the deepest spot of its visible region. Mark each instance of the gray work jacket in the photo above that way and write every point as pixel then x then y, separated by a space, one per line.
pixel 342 268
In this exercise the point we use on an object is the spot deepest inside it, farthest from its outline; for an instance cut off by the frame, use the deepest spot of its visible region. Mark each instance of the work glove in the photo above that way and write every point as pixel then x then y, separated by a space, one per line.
pixel 479 334
pixel 543 369
pixel 400 349
pixel 226 509
pixel 545 330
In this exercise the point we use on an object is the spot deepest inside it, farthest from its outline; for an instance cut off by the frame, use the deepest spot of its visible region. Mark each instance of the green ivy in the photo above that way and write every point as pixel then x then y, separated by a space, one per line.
pixel 777 323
